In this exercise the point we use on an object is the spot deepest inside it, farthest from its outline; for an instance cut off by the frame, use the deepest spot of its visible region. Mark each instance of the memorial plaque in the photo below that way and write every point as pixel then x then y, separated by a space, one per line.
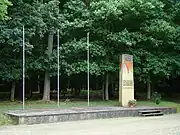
pixel 127 83
pixel 126 79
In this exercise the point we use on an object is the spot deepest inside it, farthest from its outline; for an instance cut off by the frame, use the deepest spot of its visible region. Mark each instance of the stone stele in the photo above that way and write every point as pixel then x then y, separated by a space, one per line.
pixel 126 80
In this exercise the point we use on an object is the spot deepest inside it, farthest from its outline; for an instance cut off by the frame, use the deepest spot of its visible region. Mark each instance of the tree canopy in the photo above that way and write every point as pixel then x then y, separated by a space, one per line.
pixel 149 30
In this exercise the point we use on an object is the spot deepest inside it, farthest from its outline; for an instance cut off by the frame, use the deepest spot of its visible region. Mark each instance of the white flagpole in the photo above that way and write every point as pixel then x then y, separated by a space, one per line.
pixel 23 69
pixel 58 66
pixel 88 65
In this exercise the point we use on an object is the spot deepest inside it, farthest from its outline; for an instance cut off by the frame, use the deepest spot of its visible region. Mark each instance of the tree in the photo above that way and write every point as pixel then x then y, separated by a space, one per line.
pixel 152 29
pixel 11 42
pixel 52 18
pixel 149 30
pixel 3 9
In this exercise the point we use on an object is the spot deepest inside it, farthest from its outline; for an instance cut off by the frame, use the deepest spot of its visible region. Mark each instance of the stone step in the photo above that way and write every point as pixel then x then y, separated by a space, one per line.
pixel 149 111
pixel 152 114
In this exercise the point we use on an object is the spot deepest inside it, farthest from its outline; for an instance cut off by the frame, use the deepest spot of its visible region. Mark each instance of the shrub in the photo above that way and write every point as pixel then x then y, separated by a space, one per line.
pixel 5 120
pixel 132 103
pixel 157 97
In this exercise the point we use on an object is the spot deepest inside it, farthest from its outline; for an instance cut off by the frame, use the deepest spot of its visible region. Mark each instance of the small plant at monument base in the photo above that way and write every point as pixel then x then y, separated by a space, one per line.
pixel 132 103
pixel 157 97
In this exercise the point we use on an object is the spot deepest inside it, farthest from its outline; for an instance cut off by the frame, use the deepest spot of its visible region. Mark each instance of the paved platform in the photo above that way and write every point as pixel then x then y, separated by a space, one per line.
pixel 162 125
pixel 36 116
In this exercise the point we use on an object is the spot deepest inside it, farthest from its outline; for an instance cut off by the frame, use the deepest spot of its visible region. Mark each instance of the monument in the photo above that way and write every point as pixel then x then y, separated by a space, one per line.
pixel 126 80
pixel 126 91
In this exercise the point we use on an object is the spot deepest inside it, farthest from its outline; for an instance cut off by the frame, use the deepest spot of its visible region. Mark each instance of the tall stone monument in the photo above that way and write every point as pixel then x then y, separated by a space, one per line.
pixel 126 80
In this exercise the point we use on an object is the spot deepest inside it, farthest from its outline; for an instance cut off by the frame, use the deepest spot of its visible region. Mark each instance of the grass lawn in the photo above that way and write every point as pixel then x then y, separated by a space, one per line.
pixel 163 103
pixel 5 106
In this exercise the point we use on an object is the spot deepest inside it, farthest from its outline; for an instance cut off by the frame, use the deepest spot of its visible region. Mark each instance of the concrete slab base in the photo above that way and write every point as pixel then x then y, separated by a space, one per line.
pixel 38 116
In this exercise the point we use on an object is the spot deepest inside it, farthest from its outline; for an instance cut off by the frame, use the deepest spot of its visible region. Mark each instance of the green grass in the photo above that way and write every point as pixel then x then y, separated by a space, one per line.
pixel 6 105
pixel 163 103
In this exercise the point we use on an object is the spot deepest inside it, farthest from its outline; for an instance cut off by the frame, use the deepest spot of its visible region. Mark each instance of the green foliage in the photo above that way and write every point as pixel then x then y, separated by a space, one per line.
pixel 11 43
pixel 132 103
pixel 5 120
pixel 156 97
pixel 91 93
pixel 3 9
pixel 50 14
pixel 149 30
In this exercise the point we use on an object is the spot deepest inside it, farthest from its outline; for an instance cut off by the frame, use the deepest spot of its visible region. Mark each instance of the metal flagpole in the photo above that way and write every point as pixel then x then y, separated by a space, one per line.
pixel 23 69
pixel 58 66
pixel 88 65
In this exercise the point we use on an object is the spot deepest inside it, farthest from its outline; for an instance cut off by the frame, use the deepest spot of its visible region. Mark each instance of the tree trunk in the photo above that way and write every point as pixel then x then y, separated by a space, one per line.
pixel 103 91
pixel 29 93
pixel 106 89
pixel 38 84
pixel 47 83
pixel 148 91
pixel 97 88
pixel 13 90
pixel 68 84
pixel 112 90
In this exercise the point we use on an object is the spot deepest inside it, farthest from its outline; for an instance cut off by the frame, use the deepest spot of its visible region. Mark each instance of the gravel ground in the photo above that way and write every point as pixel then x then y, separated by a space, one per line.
pixel 161 125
